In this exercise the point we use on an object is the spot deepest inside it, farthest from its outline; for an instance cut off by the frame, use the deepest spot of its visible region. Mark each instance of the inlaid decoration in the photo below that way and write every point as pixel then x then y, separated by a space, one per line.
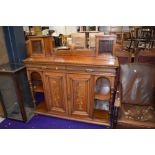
pixel 80 95
pixel 55 92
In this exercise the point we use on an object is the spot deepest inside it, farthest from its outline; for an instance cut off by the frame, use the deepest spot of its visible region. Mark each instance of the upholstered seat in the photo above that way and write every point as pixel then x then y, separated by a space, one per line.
pixel 136 96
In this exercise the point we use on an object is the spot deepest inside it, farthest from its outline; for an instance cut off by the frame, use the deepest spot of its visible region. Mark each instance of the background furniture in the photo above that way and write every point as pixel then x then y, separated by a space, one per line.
pixel 124 56
pixel 118 31
pixel 141 37
pixel 92 39
pixel 14 92
pixel 79 40
pixel 145 56
pixel 136 96
pixel 89 28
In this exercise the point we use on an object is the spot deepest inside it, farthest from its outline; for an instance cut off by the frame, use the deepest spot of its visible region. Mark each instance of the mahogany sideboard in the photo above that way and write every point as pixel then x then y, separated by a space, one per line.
pixel 73 87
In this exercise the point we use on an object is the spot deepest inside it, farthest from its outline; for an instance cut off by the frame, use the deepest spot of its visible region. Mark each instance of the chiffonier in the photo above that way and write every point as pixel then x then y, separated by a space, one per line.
pixel 73 84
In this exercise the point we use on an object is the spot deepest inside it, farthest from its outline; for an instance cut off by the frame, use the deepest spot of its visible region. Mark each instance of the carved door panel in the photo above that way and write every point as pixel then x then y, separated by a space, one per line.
pixel 55 87
pixel 79 94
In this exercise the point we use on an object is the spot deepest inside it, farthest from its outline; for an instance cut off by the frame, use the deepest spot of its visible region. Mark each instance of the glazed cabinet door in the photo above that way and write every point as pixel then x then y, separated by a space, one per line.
pixel 79 95
pixel 55 90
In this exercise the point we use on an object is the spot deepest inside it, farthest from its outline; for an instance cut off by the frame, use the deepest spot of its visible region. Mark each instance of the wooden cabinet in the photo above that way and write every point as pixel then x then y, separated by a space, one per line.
pixel 39 46
pixel 55 92
pixel 68 93
pixel 79 94
pixel 69 84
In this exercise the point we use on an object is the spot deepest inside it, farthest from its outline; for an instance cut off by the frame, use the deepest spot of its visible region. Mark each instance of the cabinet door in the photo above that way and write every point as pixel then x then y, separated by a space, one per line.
pixel 55 90
pixel 79 94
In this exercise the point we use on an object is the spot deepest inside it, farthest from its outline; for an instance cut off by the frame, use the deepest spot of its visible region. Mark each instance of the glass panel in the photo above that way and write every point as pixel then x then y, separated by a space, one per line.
pixel 105 46
pixel 10 67
pixel 102 86
pixel 102 104
pixel 25 92
pixel 102 94
pixel 9 96
pixel 37 46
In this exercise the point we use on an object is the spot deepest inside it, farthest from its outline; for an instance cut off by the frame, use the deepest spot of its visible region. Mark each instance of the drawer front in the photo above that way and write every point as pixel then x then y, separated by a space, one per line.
pixel 69 68
pixel 90 69
pixel 46 67
pixel 53 67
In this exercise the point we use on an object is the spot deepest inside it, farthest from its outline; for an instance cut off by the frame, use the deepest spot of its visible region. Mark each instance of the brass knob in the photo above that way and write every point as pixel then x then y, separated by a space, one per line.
pixel 89 70
pixel 44 67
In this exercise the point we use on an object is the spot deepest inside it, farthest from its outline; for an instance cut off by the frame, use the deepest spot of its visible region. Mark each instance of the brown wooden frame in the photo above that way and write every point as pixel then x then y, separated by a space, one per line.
pixel 105 37
pixel 47 45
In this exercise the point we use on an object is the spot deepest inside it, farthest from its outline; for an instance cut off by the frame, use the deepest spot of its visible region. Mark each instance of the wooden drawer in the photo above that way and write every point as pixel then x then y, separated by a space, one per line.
pixel 53 67
pixel 46 67
pixel 90 69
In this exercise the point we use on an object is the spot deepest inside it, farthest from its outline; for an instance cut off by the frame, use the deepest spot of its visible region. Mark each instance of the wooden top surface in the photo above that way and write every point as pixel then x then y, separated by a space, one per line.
pixel 77 60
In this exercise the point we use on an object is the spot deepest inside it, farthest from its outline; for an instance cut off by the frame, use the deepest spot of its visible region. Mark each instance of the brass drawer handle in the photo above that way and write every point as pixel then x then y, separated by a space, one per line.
pixel 56 68
pixel 44 67
pixel 89 70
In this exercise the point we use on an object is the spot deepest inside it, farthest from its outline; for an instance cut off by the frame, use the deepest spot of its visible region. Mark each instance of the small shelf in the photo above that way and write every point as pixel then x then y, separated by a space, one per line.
pixel 101 115
pixel 41 107
pixel 100 96
pixel 38 88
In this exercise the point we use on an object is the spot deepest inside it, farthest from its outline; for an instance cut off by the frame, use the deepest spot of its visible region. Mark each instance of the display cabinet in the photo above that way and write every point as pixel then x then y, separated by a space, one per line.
pixel 15 95
pixel 74 83
pixel 102 97
pixel 39 46
pixel 105 45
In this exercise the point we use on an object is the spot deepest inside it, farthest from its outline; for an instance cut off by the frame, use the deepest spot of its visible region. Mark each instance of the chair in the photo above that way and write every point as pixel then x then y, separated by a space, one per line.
pixel 145 56
pixel 135 97
pixel 92 37
pixel 118 31
pixel 123 55
pixel 79 40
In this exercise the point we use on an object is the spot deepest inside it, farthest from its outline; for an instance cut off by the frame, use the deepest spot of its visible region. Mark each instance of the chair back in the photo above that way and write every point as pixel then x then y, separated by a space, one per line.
pixel 79 40
pixel 138 84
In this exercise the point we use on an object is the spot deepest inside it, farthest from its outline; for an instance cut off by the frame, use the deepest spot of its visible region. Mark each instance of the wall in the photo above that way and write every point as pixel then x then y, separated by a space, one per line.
pixel 3 50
